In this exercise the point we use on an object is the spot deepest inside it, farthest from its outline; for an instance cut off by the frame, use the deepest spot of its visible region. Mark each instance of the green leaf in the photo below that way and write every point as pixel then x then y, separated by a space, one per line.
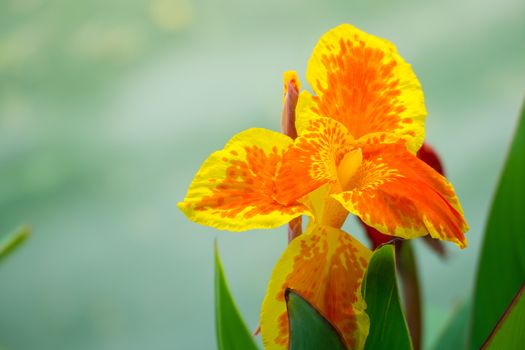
pixel 10 241
pixel 388 327
pixel 454 336
pixel 309 330
pixel 509 333
pixel 232 333
pixel 502 263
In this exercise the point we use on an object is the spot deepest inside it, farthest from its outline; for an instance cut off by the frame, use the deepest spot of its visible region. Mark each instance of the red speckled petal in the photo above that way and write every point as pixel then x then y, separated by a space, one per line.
pixel 361 81
pixel 235 187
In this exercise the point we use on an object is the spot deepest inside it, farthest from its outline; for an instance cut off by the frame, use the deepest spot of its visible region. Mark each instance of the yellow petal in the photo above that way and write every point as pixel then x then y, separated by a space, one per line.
pixel 361 81
pixel 326 266
pixel 235 187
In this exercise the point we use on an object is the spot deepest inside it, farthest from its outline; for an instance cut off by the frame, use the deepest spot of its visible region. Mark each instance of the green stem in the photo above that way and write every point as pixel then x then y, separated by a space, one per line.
pixel 406 265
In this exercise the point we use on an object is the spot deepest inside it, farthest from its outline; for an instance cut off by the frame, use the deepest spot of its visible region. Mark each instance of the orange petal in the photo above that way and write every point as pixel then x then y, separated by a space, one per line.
pixel 326 266
pixel 235 187
pixel 361 81
pixel 428 155
pixel 313 159
pixel 400 195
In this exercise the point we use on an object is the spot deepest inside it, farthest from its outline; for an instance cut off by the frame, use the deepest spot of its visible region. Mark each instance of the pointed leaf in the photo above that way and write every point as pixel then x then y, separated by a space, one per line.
pixel 309 330
pixel 232 333
pixel 10 241
pixel 502 263
pixel 509 333
pixel 388 327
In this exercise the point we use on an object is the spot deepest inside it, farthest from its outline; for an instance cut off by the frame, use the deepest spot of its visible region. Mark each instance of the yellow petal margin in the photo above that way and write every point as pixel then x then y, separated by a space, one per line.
pixel 235 187
pixel 326 266
pixel 400 195
pixel 361 81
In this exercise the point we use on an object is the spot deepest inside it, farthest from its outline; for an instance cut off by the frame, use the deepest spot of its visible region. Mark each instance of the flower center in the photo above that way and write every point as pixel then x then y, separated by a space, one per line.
pixel 334 214
pixel 348 167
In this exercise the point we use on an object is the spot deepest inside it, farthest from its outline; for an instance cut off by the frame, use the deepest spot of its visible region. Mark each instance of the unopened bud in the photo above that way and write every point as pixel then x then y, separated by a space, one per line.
pixel 290 96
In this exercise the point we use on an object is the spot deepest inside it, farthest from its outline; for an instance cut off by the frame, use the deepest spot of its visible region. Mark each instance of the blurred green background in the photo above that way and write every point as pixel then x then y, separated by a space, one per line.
pixel 107 109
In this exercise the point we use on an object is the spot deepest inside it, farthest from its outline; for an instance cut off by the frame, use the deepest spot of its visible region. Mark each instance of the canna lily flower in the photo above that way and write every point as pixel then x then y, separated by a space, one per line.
pixel 357 142
pixel 354 153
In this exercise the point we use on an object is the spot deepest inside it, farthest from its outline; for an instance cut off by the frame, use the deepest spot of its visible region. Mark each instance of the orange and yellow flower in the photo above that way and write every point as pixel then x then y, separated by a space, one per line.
pixel 355 153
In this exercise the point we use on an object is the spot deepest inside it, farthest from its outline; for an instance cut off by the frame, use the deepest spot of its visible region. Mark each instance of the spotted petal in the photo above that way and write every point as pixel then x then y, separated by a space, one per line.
pixel 400 195
pixel 235 187
pixel 361 81
pixel 313 159
pixel 326 266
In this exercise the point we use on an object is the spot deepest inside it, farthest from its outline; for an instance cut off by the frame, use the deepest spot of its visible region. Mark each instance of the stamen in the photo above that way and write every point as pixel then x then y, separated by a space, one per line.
pixel 348 167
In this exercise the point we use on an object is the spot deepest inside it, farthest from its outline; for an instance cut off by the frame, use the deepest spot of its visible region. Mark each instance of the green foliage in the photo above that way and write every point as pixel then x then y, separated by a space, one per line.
pixel 10 241
pixel 232 333
pixel 502 265
pixel 509 333
pixel 388 327
pixel 454 336
pixel 309 330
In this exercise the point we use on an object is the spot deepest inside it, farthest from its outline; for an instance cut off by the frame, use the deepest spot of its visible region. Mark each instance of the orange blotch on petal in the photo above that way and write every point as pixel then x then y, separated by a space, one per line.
pixel 361 91
pixel 248 184
pixel 361 81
